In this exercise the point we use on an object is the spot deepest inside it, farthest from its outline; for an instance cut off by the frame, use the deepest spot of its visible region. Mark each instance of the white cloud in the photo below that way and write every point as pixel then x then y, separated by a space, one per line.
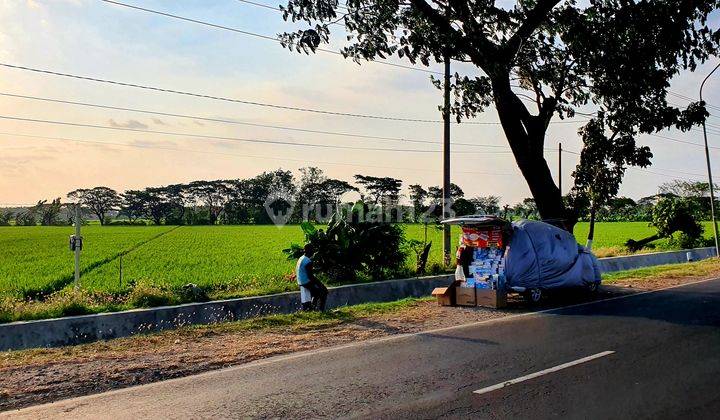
pixel 134 124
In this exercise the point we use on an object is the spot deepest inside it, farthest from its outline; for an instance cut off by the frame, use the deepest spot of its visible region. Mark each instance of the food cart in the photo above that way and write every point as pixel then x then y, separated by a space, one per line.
pixel 497 257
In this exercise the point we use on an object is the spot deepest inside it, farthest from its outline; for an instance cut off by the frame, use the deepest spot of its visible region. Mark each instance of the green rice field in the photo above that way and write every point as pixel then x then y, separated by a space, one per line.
pixel 246 260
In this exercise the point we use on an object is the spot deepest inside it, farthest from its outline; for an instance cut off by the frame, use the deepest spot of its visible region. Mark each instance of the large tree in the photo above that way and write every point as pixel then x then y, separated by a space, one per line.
pixel 418 195
pixel 210 194
pixel 603 161
pixel 487 205
pixel 134 204
pixel 99 200
pixel 378 190
pixel 564 56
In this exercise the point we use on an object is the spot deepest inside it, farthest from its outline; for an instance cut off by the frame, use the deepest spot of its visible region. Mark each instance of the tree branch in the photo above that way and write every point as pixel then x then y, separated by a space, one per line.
pixel 533 20
pixel 474 45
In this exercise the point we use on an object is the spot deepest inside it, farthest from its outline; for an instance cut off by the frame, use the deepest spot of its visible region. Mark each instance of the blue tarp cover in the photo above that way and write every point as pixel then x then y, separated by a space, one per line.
pixel 544 256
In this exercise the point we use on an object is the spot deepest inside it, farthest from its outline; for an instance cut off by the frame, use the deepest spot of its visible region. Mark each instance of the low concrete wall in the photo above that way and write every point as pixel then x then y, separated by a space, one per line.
pixel 88 328
pixel 629 262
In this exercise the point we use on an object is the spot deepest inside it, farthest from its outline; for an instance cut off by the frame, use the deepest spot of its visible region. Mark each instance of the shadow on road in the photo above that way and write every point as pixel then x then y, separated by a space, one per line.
pixel 687 305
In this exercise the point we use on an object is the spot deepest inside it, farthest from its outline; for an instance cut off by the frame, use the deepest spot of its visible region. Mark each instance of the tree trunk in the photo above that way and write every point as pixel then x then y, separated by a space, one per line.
pixel 638 245
pixel 526 135
pixel 537 174
pixel 591 232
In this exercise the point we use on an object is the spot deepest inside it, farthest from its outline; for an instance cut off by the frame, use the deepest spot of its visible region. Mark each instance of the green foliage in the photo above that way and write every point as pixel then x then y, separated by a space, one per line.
pixel 487 205
pixel 148 295
pixel 99 200
pixel 5 217
pixel 617 56
pixel 421 250
pixel 225 261
pixel 350 246
pixel 463 207
pixel 384 190
pixel 603 161
pixel 671 215
pixel 695 191
pixel 27 217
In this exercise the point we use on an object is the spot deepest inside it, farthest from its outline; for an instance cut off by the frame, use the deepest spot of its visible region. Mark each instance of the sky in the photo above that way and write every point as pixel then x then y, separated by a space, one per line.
pixel 96 39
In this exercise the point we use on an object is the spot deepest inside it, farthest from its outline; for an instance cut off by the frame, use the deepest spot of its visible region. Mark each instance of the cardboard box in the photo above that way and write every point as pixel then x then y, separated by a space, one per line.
pixel 443 295
pixel 465 296
pixel 490 298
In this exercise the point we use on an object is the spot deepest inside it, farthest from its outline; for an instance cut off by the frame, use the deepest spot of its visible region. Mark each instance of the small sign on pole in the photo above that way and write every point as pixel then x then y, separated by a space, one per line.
pixel 76 244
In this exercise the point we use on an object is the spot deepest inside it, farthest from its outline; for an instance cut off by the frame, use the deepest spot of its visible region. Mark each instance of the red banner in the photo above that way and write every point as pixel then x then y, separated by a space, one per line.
pixel 483 238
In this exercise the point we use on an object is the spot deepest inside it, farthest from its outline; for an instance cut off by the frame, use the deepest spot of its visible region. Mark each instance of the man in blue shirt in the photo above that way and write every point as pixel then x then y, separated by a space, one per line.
pixel 313 294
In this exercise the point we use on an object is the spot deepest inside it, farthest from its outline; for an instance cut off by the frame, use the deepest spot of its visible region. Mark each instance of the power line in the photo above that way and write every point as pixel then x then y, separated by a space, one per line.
pixel 230 121
pixel 663 174
pixel 275 39
pixel 265 6
pixel 142 146
pixel 235 139
pixel 217 98
pixel 240 101
pixel 277 9
pixel 647 170
pixel 681 141
pixel 253 34
pixel 688 98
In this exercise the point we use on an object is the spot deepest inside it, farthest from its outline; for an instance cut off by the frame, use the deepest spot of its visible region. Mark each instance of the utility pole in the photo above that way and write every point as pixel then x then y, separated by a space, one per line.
pixel 707 158
pixel 76 245
pixel 560 168
pixel 446 199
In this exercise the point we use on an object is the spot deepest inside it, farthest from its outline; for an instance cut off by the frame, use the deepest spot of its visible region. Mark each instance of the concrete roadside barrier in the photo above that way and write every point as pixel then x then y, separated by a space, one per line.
pixel 88 328
pixel 630 262
pixel 105 326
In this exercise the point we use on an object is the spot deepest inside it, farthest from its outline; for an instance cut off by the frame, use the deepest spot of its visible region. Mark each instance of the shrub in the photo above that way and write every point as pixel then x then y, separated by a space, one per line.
pixel 147 295
pixel 670 215
pixel 351 246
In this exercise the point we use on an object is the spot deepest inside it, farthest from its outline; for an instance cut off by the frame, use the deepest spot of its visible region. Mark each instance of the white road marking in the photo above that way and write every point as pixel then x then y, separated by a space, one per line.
pixel 542 372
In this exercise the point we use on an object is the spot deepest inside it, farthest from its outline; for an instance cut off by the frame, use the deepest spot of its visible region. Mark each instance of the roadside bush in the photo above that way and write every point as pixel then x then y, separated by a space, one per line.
pixel 351 246
pixel 59 304
pixel 147 295
pixel 670 215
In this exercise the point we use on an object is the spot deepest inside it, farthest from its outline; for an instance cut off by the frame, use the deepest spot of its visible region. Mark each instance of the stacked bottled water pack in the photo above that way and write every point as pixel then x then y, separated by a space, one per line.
pixel 487 270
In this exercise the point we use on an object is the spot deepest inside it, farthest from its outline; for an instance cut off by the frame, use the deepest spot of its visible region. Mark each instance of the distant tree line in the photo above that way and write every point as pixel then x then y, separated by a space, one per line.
pixel 314 196
pixel 624 209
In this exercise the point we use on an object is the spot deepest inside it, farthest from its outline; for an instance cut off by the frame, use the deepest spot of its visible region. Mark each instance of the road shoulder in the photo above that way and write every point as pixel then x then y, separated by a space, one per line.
pixel 39 376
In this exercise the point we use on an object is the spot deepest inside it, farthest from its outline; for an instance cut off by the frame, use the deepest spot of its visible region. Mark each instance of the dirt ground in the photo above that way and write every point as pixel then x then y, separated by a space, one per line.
pixel 40 376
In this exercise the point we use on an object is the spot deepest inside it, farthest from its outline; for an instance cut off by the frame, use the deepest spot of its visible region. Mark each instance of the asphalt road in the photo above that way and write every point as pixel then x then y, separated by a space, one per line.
pixel 665 364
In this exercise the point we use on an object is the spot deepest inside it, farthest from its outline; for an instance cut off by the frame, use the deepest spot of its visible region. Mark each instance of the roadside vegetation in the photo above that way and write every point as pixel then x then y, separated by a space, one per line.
pixel 312 321
pixel 697 269
pixel 36 278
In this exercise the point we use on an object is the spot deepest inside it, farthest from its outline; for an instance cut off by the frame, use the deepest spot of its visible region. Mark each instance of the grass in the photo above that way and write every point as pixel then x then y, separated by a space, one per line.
pixel 36 260
pixel 226 261
pixel 694 269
